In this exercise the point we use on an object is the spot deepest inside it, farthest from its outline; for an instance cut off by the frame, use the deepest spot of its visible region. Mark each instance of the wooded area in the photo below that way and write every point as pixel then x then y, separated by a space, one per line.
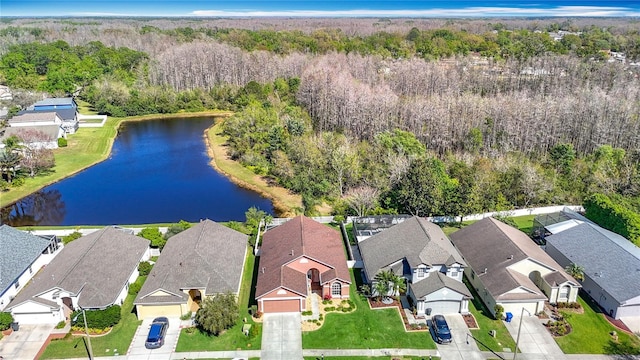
pixel 427 116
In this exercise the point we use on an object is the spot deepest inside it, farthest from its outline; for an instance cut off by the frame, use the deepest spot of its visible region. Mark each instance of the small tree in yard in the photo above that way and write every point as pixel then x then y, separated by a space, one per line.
pixel 218 313
pixel 144 268
pixel 154 235
pixel 5 320
pixel 576 271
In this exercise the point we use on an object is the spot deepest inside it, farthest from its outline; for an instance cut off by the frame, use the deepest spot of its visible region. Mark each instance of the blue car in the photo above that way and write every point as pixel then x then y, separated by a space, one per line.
pixel 157 332
pixel 440 329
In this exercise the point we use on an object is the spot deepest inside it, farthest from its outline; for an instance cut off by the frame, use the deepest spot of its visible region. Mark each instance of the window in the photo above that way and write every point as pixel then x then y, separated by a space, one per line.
pixel 421 272
pixel 336 289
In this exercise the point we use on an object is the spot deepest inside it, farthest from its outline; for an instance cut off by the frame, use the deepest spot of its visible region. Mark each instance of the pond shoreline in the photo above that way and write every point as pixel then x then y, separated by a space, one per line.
pixel 103 152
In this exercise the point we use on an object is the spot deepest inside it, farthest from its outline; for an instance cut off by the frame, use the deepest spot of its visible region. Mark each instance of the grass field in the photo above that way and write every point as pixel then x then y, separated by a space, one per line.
pixel 591 334
pixel 365 329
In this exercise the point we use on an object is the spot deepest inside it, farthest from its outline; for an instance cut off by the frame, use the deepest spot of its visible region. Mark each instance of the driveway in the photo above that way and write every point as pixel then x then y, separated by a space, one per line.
pixel 137 351
pixel 534 337
pixel 281 337
pixel 462 347
pixel 632 322
pixel 25 343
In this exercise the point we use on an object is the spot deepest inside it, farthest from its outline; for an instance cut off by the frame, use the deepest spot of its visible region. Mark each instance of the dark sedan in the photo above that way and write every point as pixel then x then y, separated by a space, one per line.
pixel 157 332
pixel 440 329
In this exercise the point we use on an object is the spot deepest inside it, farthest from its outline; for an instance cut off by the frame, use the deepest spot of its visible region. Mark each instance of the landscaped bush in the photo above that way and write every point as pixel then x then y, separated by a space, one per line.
pixel 329 308
pixel 327 297
pixel 5 320
pixel 306 313
pixel 73 236
pixel 62 142
pixel 98 319
pixel 61 324
pixel 568 305
pixel 186 316
pixel 499 310
pixel 134 289
pixel 144 268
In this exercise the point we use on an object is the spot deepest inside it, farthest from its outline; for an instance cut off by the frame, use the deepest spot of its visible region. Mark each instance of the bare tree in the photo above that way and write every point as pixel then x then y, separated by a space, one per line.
pixel 362 199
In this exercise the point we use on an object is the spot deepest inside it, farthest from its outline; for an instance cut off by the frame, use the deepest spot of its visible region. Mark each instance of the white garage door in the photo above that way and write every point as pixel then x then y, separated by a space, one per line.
pixel 443 307
pixel 35 318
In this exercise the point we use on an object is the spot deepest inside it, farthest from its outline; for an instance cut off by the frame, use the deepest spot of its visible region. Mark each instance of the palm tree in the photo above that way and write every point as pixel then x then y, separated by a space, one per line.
pixel 576 271
pixel 391 283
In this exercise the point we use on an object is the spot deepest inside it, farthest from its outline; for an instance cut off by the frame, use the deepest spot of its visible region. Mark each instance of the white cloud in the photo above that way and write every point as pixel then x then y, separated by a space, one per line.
pixel 564 11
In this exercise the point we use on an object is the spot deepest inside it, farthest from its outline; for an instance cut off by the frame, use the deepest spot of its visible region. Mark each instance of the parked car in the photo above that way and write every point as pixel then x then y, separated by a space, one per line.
pixel 157 332
pixel 440 329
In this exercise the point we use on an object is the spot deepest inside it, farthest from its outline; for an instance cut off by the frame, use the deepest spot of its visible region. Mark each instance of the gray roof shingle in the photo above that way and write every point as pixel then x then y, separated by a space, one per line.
pixel 617 266
pixel 55 102
pixel 495 246
pixel 417 240
pixel 98 265
pixel 18 250
pixel 206 256
pixel 34 116
pixel 435 282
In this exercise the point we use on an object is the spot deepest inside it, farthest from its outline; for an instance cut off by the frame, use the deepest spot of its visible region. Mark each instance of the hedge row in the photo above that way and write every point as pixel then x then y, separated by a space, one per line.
pixel 615 214
pixel 98 319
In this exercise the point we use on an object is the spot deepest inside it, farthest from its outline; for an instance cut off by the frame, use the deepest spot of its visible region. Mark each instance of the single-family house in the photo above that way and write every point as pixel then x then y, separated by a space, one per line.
pixel 21 256
pixel 367 226
pixel 297 259
pixel 37 131
pixel 204 260
pixel 92 272
pixel 611 265
pixel 419 251
pixel 66 109
pixel 507 268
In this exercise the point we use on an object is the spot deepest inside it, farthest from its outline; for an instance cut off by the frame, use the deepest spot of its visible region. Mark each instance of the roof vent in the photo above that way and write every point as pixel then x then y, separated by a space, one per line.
pixel 485 271
pixel 291 252
pixel 510 257
pixel 263 270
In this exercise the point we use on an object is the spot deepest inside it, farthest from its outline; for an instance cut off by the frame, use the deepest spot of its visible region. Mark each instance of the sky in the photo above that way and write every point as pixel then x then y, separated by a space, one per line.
pixel 320 8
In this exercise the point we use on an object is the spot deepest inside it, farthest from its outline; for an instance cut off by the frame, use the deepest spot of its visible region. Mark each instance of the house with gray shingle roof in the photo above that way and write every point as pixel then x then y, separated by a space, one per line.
pixel 300 259
pixel 204 260
pixel 507 268
pixel 92 272
pixel 21 256
pixel 419 251
pixel 611 265
pixel 66 108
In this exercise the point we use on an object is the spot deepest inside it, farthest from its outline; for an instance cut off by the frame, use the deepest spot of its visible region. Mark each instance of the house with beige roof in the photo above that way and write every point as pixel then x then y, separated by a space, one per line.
pixel 92 272
pixel 204 260
pixel 507 268
pixel 298 259
pixel 419 251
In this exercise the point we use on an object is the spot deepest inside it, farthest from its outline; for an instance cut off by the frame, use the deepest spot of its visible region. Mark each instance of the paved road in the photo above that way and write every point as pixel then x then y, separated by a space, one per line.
pixel 281 337
pixel 137 351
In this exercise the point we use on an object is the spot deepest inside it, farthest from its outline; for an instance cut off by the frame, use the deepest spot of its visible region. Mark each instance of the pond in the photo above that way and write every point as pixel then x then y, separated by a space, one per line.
pixel 159 171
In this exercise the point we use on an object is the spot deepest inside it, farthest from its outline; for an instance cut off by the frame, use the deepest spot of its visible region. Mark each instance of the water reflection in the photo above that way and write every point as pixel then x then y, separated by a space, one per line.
pixel 42 207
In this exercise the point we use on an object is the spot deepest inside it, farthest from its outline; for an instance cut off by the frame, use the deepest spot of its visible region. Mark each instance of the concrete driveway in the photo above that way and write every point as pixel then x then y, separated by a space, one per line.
pixel 25 343
pixel 137 351
pixel 281 337
pixel 534 337
pixel 462 347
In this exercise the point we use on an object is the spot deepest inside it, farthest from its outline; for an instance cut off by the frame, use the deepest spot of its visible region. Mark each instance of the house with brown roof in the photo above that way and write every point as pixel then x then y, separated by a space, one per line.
pixel 507 268
pixel 298 259
pixel 92 272
pixel 204 260
pixel 419 251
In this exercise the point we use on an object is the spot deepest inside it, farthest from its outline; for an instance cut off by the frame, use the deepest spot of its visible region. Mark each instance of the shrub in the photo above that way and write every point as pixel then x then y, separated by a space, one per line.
pixel 329 308
pixel 5 320
pixel 321 317
pixel 499 310
pixel 61 324
pixel 306 313
pixel 327 296
pixel 134 289
pixel 17 182
pixel 253 309
pixel 98 319
pixel 186 316
pixel 338 219
pixel 62 142
pixel 154 235
pixel 144 268
pixel 73 236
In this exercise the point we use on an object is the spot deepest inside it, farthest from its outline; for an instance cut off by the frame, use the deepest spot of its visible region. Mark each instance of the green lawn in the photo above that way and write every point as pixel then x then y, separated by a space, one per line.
pixel 233 338
pixel 525 223
pixel 368 357
pixel 119 338
pixel 365 329
pixel 85 108
pixel 590 334
pixel 486 323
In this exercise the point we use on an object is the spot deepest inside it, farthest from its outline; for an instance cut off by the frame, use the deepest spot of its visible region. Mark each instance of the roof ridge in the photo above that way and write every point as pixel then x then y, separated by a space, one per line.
pixel 302 237
pixel 80 258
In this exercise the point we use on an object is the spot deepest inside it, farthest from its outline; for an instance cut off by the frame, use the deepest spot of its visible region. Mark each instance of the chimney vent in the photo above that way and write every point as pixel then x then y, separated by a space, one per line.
pixel 485 271
pixel 263 269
